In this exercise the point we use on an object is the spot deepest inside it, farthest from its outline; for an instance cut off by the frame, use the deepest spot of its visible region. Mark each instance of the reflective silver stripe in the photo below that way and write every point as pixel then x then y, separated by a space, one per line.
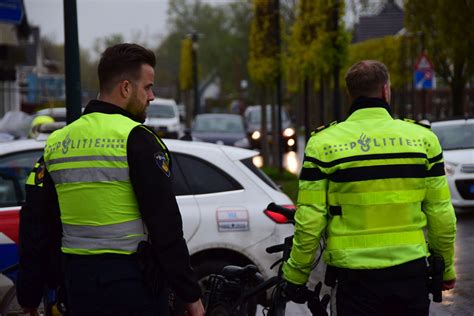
pixel 112 230
pixel 126 243
pixel 112 237
pixel 87 158
pixel 89 175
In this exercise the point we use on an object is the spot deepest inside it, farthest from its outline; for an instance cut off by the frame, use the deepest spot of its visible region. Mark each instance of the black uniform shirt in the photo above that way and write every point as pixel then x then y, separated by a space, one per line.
pixel 151 182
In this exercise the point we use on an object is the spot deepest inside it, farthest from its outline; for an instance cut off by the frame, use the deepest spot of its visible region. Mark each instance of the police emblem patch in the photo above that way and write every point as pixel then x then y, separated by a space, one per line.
pixel 162 162
pixel 39 174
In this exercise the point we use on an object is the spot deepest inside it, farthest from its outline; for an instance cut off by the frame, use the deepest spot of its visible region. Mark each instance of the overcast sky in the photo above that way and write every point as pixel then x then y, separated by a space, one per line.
pixel 142 21
pixel 98 18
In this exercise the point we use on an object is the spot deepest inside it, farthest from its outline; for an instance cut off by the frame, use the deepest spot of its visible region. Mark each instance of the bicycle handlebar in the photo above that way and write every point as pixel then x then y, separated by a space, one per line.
pixel 276 248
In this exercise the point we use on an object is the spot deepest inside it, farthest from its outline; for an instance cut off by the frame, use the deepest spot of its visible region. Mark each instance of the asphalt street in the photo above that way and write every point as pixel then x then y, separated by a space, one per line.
pixel 460 300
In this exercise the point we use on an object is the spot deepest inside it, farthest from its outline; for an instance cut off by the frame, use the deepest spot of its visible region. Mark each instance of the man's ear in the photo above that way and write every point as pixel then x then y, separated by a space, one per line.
pixel 125 88
pixel 386 92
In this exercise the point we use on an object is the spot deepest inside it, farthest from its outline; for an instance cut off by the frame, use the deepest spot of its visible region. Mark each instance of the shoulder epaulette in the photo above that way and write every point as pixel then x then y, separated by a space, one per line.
pixel 322 127
pixel 417 123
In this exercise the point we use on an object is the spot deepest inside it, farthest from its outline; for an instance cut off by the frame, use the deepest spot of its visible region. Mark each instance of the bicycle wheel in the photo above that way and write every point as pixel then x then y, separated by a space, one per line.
pixel 278 304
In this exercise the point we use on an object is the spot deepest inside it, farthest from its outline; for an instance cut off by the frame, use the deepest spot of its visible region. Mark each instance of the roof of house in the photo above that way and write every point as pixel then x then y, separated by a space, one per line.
pixel 388 21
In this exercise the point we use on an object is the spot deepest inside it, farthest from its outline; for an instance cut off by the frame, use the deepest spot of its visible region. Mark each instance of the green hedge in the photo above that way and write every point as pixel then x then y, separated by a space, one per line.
pixel 287 181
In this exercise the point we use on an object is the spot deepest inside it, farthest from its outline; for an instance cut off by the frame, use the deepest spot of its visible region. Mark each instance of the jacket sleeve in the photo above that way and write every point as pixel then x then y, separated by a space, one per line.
pixel 310 218
pixel 40 238
pixel 151 180
pixel 438 209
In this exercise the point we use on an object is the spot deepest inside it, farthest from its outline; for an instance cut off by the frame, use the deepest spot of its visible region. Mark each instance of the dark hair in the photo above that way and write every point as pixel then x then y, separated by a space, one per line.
pixel 122 61
pixel 366 78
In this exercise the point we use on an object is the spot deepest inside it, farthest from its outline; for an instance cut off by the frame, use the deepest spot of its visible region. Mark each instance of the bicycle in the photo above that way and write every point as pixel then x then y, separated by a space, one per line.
pixel 228 293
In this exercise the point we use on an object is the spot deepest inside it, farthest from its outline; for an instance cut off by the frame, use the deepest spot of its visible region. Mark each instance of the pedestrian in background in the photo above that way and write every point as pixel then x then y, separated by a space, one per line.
pixel 373 185
pixel 109 177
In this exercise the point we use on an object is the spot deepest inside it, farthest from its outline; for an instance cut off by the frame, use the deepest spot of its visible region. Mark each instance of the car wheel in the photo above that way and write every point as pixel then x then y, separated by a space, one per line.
pixel 205 268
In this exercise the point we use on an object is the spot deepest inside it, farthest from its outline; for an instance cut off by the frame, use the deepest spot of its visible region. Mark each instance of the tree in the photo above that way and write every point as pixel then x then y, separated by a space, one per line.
pixel 445 31
pixel 315 46
pixel 100 44
pixel 264 57
pixel 185 66
pixel 388 50
pixel 223 43
pixel 263 64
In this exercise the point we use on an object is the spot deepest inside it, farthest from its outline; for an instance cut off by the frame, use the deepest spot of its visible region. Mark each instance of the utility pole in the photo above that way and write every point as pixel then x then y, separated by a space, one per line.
pixel 72 62
pixel 337 67
pixel 197 106
pixel 279 142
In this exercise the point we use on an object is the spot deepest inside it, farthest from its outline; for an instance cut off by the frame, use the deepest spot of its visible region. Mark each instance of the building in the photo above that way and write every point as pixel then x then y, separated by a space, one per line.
pixel 386 20
pixel 14 30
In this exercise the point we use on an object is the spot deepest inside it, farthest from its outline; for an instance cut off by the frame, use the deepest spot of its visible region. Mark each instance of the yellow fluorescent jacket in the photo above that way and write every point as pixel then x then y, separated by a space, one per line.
pixel 375 184
pixel 88 163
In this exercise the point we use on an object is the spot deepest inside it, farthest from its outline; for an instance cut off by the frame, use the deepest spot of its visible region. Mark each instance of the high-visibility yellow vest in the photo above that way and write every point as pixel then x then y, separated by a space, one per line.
pixel 88 163
pixel 370 181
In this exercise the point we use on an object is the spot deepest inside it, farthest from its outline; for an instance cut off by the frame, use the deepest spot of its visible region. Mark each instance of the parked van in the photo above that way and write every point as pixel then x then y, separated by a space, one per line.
pixel 163 117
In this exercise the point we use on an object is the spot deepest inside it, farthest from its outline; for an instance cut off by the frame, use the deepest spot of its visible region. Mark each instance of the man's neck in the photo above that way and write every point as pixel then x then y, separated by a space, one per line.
pixel 112 100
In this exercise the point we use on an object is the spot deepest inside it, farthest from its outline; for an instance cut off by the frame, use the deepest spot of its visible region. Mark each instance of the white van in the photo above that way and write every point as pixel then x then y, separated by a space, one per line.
pixel 163 117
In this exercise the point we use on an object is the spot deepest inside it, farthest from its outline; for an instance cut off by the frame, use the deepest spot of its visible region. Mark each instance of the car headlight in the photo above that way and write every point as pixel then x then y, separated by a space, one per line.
pixel 288 132
pixel 255 135
pixel 449 168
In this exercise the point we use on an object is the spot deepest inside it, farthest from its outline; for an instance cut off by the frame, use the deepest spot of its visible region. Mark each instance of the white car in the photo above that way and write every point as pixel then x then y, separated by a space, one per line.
pixel 163 117
pixel 220 192
pixel 457 140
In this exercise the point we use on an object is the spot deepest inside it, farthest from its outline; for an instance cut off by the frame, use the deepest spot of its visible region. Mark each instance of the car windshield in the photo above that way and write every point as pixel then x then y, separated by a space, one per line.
pixel 161 111
pixel 254 116
pixel 218 125
pixel 455 136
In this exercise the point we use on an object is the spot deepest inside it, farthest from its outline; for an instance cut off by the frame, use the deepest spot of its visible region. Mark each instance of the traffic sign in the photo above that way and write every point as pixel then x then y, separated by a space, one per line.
pixel 11 11
pixel 423 79
pixel 423 62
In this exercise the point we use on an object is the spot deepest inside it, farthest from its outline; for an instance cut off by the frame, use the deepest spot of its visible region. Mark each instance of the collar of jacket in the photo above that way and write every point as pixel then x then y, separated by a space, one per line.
pixel 377 107
pixel 108 108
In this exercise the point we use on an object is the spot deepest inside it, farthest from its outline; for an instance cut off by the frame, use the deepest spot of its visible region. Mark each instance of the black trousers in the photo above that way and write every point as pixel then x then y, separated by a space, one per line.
pixel 109 285
pixel 398 290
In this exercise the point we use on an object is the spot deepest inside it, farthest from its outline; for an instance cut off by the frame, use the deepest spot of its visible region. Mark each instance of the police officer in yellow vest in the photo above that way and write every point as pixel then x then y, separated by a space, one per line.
pixel 40 242
pixel 375 186
pixel 112 179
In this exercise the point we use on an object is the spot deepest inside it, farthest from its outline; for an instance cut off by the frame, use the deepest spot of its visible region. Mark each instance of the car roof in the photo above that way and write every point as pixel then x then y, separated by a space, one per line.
pixel 20 145
pixel 233 153
pixel 162 101
pixel 219 115
pixel 258 107
pixel 453 122
pixel 197 148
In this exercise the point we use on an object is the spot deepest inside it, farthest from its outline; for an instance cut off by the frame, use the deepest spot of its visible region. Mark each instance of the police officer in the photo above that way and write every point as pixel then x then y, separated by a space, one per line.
pixel 40 241
pixel 373 185
pixel 36 124
pixel 110 177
